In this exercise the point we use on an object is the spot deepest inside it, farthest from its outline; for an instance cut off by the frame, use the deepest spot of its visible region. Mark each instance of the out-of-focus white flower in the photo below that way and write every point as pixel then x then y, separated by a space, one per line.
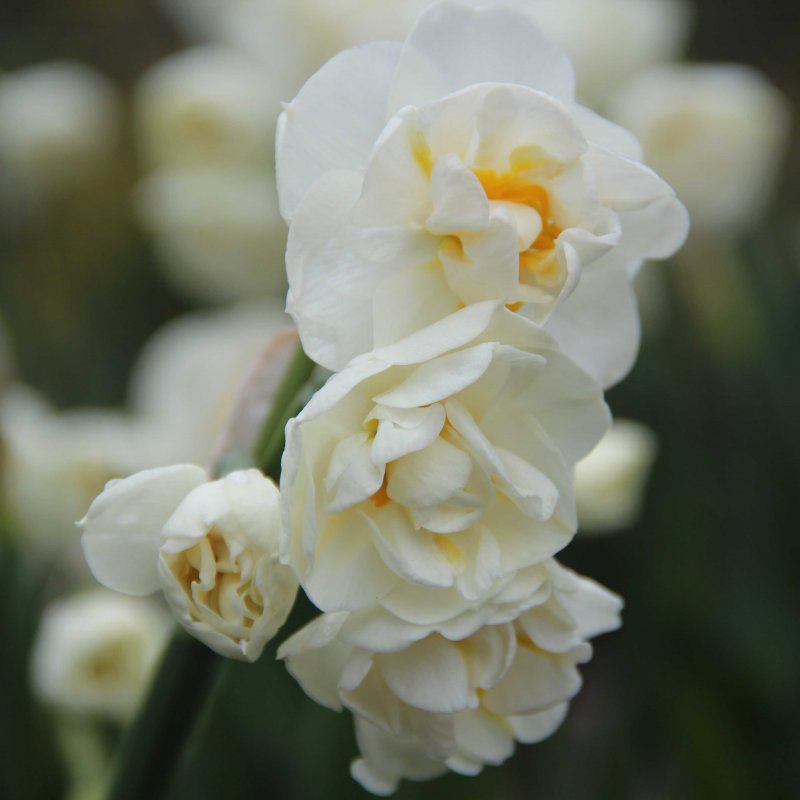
pixel 610 481
pixel 95 652
pixel 428 472
pixel 186 379
pixel 204 107
pixel 6 359
pixel 58 124
pixel 56 462
pixel 429 697
pixel 217 231
pixel 717 132
pixel 425 171
pixel 211 546
pixel 610 40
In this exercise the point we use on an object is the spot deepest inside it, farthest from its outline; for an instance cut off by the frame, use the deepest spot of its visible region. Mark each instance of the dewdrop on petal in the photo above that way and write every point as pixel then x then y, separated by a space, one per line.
pixel 610 482
pixel 212 547
pixel 95 652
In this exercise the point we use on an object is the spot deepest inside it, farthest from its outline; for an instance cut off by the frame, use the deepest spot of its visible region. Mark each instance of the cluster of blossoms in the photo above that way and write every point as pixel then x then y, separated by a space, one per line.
pixel 463 236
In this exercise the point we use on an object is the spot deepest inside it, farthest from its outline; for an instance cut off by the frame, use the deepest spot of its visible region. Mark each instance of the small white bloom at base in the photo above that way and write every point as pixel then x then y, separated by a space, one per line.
pixel 716 132
pixel 211 546
pixel 460 694
pixel 95 652
pixel 610 481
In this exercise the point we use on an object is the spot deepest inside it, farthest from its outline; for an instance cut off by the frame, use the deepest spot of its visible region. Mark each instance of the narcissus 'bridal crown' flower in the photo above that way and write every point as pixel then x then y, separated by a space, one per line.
pixel 457 168
pixel 211 546
pixel 457 694
pixel 426 473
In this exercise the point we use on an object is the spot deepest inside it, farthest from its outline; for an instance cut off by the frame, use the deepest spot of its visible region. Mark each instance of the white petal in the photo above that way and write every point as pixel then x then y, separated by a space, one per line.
pixel 122 531
pixel 430 476
pixel 483 266
pixel 459 201
pixel 598 324
pixel 483 737
pixel 348 573
pixel 440 378
pixel 454 46
pixel 353 477
pixel 532 728
pixel 402 431
pixel 429 675
pixel 410 300
pixel 534 682
pixel 334 120
pixel 600 131
pixel 410 553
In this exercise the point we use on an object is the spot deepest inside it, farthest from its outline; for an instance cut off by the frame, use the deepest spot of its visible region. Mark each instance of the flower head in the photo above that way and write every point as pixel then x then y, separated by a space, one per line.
pixel 211 546
pixel 427 472
pixel 445 179
pixel 429 697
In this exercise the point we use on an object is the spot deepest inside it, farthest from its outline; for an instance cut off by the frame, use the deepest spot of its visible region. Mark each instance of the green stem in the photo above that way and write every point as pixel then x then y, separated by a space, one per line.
pixel 284 406
pixel 153 744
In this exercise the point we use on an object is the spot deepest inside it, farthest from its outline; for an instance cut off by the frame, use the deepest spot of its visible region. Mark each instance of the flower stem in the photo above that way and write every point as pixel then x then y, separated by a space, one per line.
pixel 152 745
pixel 289 400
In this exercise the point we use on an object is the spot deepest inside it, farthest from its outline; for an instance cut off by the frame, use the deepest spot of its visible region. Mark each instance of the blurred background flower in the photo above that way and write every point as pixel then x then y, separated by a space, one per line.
pixel 137 188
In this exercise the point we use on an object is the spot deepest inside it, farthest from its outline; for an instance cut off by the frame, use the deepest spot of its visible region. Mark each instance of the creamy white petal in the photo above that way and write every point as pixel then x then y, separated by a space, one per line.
pixel 122 531
pixel 334 120
pixel 454 46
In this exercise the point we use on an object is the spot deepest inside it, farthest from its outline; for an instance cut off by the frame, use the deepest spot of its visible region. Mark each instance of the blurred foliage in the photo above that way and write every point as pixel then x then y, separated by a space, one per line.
pixel 696 697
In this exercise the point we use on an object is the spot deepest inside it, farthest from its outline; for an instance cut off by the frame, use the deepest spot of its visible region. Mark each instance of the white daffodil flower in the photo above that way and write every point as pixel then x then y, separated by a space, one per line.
pixel 457 168
pixel 202 218
pixel 211 546
pixel 95 652
pixel 205 107
pixel 66 457
pixel 59 124
pixel 610 481
pixel 430 697
pixel 187 377
pixel 427 472
pixel 717 132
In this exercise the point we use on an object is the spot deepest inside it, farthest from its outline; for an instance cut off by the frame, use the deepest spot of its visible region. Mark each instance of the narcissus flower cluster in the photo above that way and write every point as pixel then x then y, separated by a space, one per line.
pixel 462 241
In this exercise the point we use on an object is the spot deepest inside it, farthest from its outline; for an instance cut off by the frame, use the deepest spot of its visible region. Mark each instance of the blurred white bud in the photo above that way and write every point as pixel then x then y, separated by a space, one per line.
pixel 59 124
pixel 188 375
pixel 208 106
pixel 95 652
pixel 218 232
pixel 54 465
pixel 715 132
pixel 610 481
pixel 609 40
